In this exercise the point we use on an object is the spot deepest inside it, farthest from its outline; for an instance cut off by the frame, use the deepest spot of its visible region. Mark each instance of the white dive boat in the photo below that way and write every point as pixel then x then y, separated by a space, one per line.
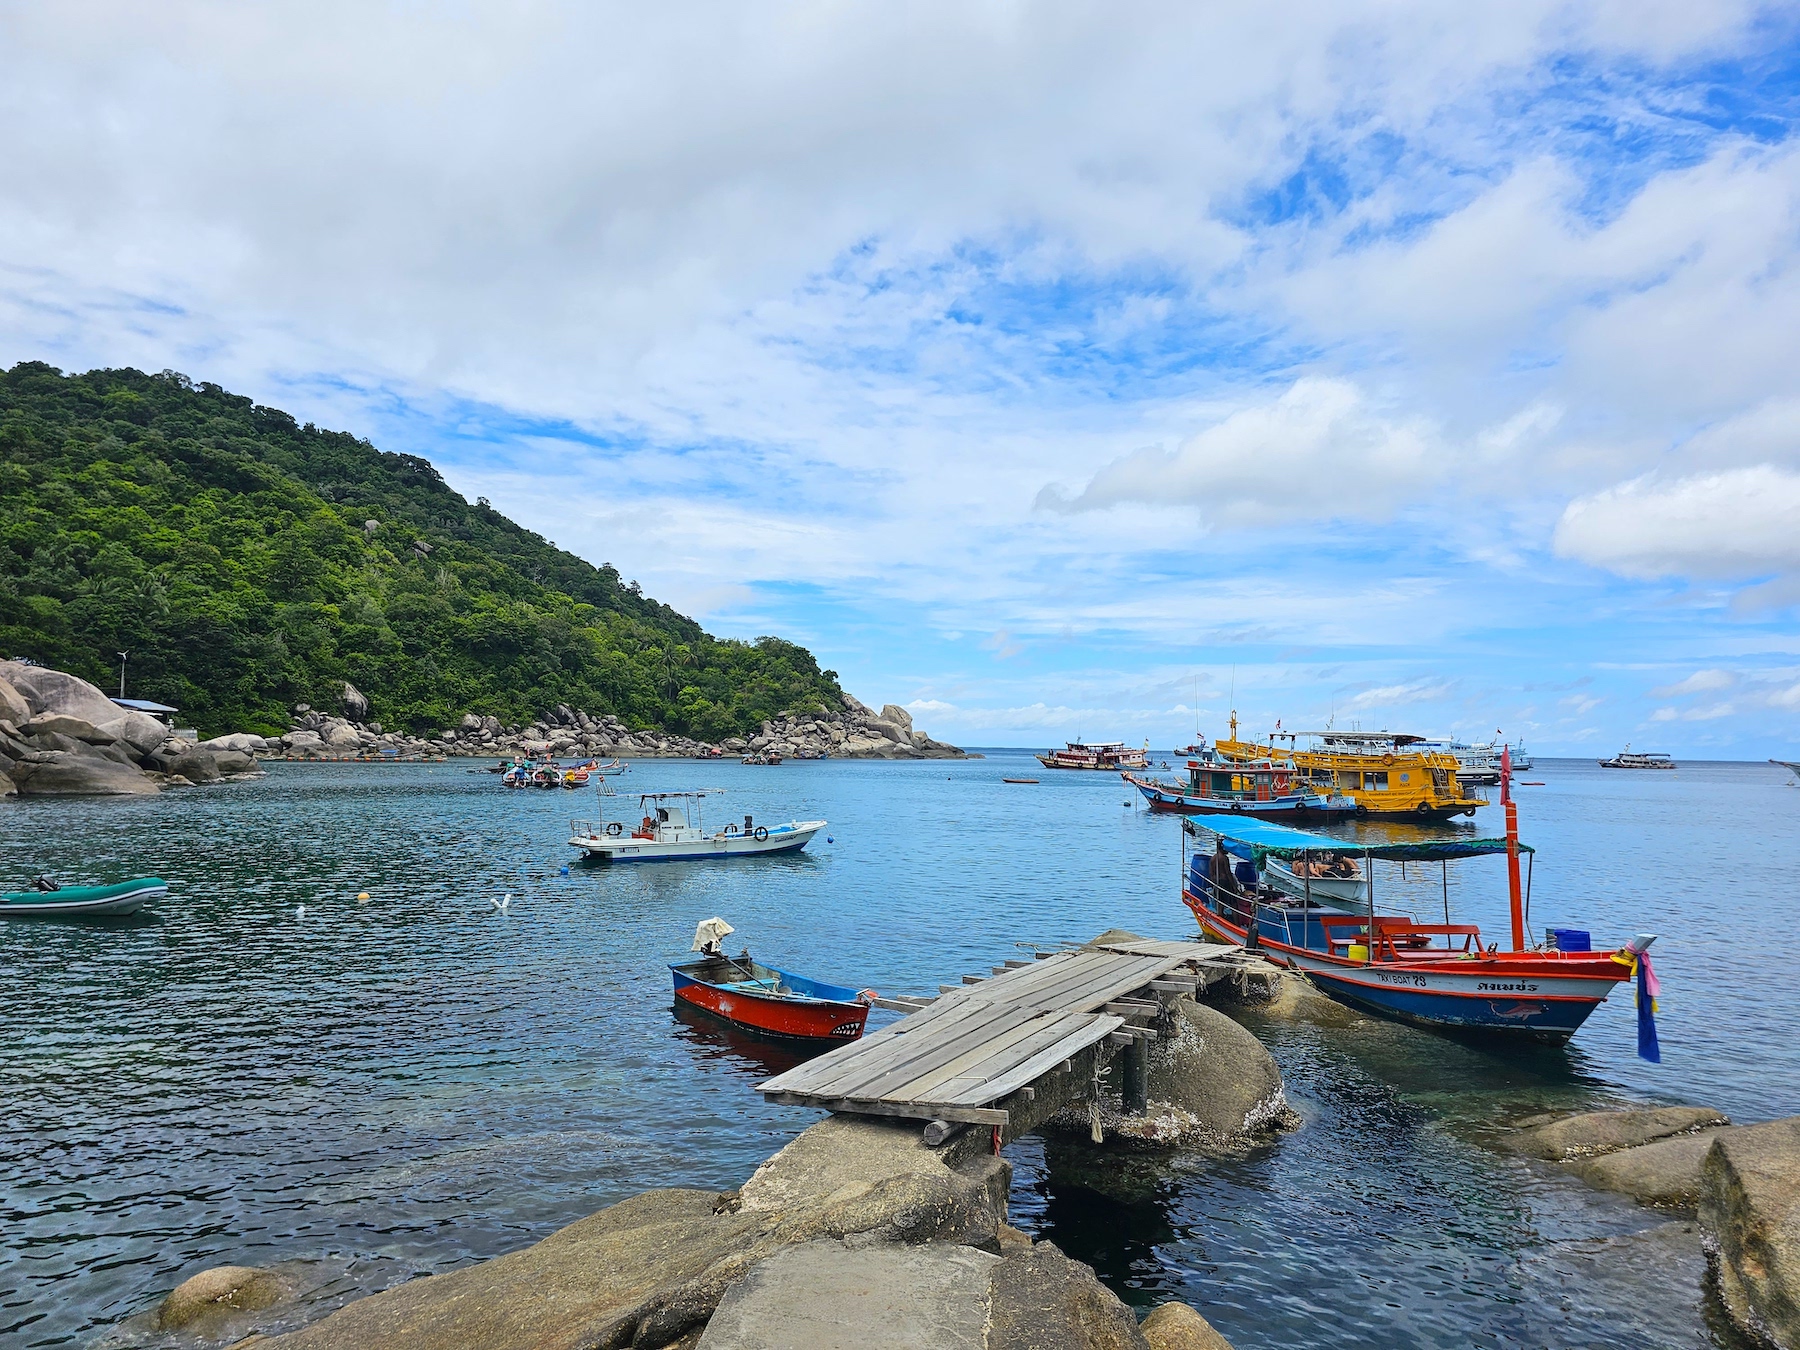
pixel 1638 759
pixel 1335 880
pixel 1476 765
pixel 670 831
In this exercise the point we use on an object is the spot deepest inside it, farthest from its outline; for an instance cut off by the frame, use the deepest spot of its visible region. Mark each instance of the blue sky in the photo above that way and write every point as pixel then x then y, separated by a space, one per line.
pixel 1054 370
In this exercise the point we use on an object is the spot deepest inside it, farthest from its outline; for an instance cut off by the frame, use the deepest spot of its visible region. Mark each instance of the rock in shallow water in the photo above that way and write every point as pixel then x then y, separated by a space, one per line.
pixel 217 1294
pixel 66 774
pixel 1597 1132
pixel 1665 1173
pixel 1217 1073
pixel 1750 1214
pixel 1175 1326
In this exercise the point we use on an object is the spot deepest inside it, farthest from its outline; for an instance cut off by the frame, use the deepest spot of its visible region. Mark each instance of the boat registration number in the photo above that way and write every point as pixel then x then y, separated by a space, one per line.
pixel 1512 987
pixel 1400 977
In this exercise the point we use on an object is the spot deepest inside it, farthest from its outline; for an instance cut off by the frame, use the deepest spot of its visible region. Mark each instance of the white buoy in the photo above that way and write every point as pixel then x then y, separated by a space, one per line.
pixel 502 904
pixel 299 911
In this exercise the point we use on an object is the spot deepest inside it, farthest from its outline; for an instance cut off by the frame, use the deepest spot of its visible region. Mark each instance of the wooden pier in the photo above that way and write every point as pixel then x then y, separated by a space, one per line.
pixel 976 1053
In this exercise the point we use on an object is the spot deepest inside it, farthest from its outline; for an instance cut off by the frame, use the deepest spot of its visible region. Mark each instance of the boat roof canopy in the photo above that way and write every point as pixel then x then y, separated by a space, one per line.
pixel 1259 839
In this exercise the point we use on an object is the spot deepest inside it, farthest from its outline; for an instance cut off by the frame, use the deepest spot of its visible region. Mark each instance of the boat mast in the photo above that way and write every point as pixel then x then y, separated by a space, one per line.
pixel 1512 850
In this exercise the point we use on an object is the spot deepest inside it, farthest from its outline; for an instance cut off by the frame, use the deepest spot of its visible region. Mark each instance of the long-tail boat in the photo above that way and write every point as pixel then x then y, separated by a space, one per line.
pixel 1267 789
pixel 1430 974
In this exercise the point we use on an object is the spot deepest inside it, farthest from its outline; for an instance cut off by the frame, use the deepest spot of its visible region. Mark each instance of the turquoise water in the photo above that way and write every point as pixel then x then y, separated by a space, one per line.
pixel 406 1085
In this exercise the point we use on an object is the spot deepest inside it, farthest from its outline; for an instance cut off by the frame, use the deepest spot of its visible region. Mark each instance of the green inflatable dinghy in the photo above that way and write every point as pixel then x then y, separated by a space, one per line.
pixel 125 897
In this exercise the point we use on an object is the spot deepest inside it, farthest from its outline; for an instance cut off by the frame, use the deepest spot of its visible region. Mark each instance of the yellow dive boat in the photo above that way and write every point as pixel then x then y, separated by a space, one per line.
pixel 1372 768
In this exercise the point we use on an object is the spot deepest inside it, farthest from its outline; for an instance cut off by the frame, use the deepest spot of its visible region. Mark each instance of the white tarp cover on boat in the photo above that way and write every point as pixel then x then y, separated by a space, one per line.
pixel 709 933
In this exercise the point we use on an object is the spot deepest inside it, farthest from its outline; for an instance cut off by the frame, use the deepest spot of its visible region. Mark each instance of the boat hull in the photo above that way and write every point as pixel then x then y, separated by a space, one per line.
pixel 797 1017
pixel 1498 996
pixel 127 897
pixel 787 838
pixel 1293 806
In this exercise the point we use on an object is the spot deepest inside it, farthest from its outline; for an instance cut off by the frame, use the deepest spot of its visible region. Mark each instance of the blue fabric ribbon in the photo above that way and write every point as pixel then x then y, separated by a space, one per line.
pixel 1646 1011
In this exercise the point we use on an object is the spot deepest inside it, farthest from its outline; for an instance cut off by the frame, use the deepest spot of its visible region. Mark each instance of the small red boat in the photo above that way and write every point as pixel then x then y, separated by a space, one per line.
pixel 766 999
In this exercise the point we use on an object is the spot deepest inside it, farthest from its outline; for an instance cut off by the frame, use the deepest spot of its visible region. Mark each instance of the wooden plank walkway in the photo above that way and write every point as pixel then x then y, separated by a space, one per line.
pixel 957 1056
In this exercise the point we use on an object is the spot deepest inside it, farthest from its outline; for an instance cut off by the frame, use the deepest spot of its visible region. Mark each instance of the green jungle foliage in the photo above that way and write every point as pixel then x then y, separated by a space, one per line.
pixel 248 563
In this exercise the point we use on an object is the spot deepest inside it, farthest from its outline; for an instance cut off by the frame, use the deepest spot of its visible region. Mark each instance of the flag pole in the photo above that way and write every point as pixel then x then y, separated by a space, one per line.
pixel 1512 849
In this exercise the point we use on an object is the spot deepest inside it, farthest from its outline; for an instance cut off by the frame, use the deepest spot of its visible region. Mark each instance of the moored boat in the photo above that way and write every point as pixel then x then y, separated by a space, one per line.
pixel 767 999
pixel 1103 756
pixel 1637 759
pixel 1429 974
pixel 64 902
pixel 671 831
pixel 1381 772
pixel 1217 786
pixel 1788 764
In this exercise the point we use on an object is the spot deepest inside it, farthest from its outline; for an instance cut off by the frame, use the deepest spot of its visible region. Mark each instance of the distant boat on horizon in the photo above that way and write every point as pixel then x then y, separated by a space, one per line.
pixel 1635 759
pixel 1104 756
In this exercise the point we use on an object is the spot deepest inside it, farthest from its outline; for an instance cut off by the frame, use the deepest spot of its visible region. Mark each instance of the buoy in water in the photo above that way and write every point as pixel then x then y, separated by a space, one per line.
pixel 830 840
pixel 502 903
pixel 362 897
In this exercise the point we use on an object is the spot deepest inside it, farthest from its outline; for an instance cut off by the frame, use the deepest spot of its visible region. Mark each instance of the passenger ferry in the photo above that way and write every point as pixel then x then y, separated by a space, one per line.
pixel 1633 759
pixel 1106 756
pixel 1382 773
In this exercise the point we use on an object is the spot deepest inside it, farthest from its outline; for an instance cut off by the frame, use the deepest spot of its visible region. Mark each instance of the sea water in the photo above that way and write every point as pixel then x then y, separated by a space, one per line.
pixel 266 1069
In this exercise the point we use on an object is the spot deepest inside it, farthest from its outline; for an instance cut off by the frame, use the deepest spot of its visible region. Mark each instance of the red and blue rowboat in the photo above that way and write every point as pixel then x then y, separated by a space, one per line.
pixel 771 1001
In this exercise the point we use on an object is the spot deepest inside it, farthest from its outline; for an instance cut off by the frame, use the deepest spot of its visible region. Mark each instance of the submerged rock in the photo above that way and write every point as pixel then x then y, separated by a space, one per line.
pixel 1598 1132
pixel 1750 1215
pixel 1175 1326
pixel 215 1295
pixel 1665 1173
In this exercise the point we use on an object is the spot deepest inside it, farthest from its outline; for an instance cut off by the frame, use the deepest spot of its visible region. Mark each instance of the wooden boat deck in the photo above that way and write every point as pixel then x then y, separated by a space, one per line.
pixel 956 1057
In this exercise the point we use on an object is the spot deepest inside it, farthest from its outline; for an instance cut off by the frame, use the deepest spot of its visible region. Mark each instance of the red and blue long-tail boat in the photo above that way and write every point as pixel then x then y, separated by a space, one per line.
pixel 766 999
pixel 1429 974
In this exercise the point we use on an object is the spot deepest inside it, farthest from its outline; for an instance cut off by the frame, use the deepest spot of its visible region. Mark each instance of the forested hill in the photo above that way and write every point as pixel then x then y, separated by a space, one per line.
pixel 248 563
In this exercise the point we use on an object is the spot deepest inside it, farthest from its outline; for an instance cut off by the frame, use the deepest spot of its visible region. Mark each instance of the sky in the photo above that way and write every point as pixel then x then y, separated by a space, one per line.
pixel 1054 370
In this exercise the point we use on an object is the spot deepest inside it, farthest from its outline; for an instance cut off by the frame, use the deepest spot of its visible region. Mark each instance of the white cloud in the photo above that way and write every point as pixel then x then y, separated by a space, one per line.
pixel 1317 449
pixel 1401 695
pixel 1732 525
pixel 1700 682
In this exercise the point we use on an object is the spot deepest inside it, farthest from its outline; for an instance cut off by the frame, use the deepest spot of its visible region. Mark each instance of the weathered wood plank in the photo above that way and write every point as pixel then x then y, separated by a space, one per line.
pixel 969 1115
pixel 982 1060
pixel 1045 1061
pixel 860 1063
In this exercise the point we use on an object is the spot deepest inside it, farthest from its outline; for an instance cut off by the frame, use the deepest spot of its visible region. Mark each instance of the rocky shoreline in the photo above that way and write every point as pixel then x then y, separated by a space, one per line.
pixel 853 732
pixel 61 736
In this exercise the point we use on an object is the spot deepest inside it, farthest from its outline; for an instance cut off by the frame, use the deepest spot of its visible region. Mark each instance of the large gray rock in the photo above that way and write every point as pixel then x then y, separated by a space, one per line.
pixel 240 741
pixel 893 712
pixel 8 788
pixel 649 1271
pixel 827 1296
pixel 356 707
pixel 1665 1173
pixel 342 737
pixel 1175 1326
pixel 303 740
pixel 203 1302
pixel 13 707
pixel 197 766
pixel 1216 1074
pixel 229 762
pixel 142 732
pixel 67 774
pixel 1041 1300
pixel 1750 1215
pixel 1598 1132
pixel 62 724
pixel 47 690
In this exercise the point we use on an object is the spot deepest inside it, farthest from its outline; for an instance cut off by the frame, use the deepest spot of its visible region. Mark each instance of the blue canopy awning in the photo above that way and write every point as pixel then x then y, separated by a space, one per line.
pixel 1257 839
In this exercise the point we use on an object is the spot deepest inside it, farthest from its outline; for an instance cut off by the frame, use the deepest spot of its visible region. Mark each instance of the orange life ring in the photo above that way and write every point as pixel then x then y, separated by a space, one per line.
pixel 1388 758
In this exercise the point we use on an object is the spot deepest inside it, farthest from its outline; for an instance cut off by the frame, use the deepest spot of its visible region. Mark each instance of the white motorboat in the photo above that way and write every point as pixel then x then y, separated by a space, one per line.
pixel 671 831
pixel 1337 883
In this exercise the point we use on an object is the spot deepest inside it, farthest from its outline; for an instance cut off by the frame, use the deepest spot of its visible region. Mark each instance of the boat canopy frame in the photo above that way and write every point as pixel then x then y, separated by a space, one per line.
pixel 1256 839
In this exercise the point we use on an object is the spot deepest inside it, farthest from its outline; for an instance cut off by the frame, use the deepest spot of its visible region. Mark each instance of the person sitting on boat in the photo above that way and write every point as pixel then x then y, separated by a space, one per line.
pixel 647 830
pixel 1224 883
